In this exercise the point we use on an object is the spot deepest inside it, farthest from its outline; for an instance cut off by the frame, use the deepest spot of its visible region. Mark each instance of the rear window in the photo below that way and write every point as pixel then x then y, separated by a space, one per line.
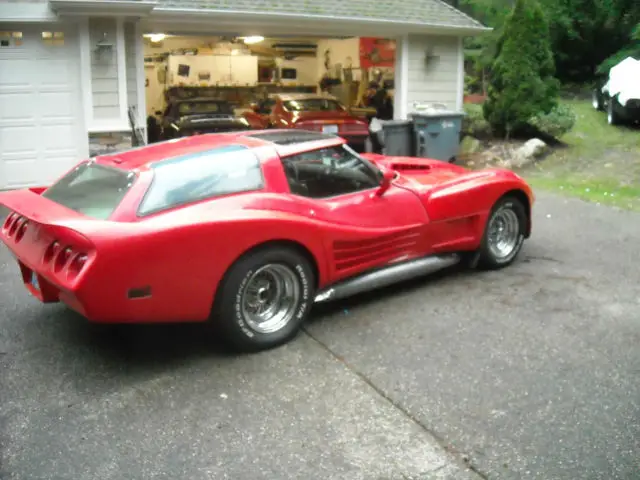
pixel 313 105
pixel 91 189
pixel 182 180
pixel 203 108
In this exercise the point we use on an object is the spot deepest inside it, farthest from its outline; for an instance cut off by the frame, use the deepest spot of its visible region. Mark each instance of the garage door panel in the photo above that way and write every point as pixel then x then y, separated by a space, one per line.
pixel 58 72
pixel 57 137
pixel 17 106
pixel 17 72
pixel 57 104
pixel 18 172
pixel 41 130
pixel 18 139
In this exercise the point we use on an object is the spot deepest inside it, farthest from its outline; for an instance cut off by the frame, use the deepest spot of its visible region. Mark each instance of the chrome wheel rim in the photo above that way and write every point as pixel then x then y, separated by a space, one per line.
pixel 270 298
pixel 504 233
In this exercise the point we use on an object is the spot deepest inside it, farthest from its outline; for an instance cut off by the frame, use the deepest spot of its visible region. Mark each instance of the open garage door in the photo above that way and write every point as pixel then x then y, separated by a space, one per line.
pixel 41 120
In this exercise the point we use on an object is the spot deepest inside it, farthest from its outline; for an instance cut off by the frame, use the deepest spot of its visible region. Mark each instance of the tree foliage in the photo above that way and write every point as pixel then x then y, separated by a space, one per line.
pixel 584 33
pixel 522 82
pixel 631 50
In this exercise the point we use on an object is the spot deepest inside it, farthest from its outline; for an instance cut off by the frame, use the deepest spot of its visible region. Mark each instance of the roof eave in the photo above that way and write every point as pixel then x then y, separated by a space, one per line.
pixel 272 23
pixel 137 8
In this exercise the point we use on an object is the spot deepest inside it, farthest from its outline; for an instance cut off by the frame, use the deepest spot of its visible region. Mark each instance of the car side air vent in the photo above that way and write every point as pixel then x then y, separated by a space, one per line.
pixel 409 166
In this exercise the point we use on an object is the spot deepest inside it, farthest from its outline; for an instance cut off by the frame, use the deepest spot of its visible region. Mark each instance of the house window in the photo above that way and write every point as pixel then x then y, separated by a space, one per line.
pixel 10 39
pixel 53 38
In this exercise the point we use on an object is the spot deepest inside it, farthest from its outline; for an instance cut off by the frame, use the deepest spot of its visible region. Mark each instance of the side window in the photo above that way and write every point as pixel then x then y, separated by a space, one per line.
pixel 194 177
pixel 266 106
pixel 329 172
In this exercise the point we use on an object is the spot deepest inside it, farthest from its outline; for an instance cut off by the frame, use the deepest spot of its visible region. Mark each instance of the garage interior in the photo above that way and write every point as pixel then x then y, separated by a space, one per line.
pixel 240 69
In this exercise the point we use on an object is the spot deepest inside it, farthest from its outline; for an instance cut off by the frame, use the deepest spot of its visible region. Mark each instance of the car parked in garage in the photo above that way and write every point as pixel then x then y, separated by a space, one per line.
pixel 190 116
pixel 620 95
pixel 308 111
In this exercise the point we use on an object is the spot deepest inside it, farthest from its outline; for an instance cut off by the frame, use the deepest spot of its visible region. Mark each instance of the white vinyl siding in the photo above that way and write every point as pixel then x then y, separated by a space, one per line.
pixel 437 80
pixel 132 67
pixel 104 69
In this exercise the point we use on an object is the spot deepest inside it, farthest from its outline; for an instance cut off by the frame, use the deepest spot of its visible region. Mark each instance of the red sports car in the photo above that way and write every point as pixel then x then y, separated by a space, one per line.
pixel 308 111
pixel 249 229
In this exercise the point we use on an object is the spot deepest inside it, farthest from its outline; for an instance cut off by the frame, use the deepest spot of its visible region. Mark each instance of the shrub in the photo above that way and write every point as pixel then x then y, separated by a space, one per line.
pixel 474 123
pixel 522 81
pixel 559 121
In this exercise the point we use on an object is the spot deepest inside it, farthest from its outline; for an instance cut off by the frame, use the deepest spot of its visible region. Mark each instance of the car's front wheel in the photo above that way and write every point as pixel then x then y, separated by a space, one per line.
pixel 596 100
pixel 612 115
pixel 504 233
pixel 264 298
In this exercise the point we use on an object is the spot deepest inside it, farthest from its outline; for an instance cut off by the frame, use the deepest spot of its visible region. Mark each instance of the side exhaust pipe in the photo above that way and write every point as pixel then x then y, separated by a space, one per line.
pixel 386 276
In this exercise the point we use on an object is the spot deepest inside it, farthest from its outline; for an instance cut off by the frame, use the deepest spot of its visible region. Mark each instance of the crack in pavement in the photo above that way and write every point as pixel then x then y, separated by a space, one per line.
pixel 465 463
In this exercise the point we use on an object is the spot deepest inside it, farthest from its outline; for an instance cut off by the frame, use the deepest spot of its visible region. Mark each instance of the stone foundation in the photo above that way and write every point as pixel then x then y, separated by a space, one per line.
pixel 109 142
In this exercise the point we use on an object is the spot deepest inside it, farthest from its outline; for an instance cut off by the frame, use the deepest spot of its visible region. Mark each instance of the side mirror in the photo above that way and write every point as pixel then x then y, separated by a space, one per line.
pixel 387 178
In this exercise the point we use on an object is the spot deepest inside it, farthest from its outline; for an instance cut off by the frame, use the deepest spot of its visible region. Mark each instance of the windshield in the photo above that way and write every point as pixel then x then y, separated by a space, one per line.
pixel 91 189
pixel 313 105
pixel 200 108
pixel 194 177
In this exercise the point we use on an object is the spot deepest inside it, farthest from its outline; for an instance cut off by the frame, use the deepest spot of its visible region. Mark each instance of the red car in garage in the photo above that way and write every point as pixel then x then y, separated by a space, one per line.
pixel 309 111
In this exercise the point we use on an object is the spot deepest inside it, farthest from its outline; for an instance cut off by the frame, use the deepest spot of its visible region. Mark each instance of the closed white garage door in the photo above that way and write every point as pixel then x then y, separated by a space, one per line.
pixel 41 125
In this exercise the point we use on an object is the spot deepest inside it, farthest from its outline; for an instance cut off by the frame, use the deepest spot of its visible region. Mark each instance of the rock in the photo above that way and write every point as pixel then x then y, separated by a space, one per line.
pixel 470 145
pixel 528 153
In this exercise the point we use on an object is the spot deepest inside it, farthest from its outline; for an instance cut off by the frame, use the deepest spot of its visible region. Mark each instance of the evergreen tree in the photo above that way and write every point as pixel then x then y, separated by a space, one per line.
pixel 522 82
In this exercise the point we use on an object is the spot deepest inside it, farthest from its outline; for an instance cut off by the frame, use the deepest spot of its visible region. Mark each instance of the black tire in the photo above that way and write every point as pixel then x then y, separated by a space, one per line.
pixel 235 324
pixel 512 208
pixel 596 100
pixel 612 116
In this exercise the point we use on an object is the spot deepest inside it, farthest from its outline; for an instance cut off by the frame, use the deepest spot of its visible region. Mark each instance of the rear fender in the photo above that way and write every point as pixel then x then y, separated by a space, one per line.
pixel 180 267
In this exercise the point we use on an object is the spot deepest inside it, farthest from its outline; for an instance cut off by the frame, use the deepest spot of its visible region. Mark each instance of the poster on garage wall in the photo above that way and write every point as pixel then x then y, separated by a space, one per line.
pixel 377 52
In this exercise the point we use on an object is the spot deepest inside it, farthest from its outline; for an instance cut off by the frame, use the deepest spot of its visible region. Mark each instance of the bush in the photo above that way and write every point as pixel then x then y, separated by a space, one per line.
pixel 474 123
pixel 559 121
pixel 521 82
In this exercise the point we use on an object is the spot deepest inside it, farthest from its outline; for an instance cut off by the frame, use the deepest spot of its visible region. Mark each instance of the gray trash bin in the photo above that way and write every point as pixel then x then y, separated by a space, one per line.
pixel 437 134
pixel 398 138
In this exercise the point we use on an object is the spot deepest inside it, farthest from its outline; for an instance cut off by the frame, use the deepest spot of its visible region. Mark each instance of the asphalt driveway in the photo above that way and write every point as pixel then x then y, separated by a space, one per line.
pixel 532 372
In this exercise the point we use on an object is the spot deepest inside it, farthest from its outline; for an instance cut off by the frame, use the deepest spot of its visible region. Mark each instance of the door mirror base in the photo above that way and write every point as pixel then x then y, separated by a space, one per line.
pixel 387 178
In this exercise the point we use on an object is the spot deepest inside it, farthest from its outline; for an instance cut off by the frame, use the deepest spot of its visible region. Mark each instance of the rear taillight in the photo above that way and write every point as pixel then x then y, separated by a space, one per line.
pixel 7 221
pixel 308 126
pixel 21 229
pixel 76 265
pixel 61 259
pixel 353 127
pixel 65 257
pixel 50 252
pixel 15 224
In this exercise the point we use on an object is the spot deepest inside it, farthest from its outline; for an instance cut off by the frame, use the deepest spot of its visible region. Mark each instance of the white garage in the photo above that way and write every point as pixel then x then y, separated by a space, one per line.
pixel 75 75
pixel 41 119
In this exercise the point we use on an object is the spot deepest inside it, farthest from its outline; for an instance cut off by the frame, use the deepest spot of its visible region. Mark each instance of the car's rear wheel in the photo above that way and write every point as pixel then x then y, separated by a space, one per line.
pixel 504 233
pixel 264 298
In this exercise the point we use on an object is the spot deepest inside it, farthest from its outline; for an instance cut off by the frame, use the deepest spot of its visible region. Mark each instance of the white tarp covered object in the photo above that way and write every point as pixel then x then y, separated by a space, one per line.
pixel 624 79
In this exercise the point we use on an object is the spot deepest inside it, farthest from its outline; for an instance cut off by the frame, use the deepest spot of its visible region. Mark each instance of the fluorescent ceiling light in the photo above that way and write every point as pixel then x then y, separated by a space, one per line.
pixel 253 39
pixel 156 37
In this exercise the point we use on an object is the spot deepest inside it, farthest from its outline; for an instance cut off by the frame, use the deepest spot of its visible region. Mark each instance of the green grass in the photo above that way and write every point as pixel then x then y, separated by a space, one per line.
pixel 592 133
pixel 604 191
pixel 601 163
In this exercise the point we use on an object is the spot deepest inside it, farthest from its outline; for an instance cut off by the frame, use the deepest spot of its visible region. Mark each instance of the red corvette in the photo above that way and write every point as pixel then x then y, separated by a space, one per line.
pixel 249 229
pixel 308 111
